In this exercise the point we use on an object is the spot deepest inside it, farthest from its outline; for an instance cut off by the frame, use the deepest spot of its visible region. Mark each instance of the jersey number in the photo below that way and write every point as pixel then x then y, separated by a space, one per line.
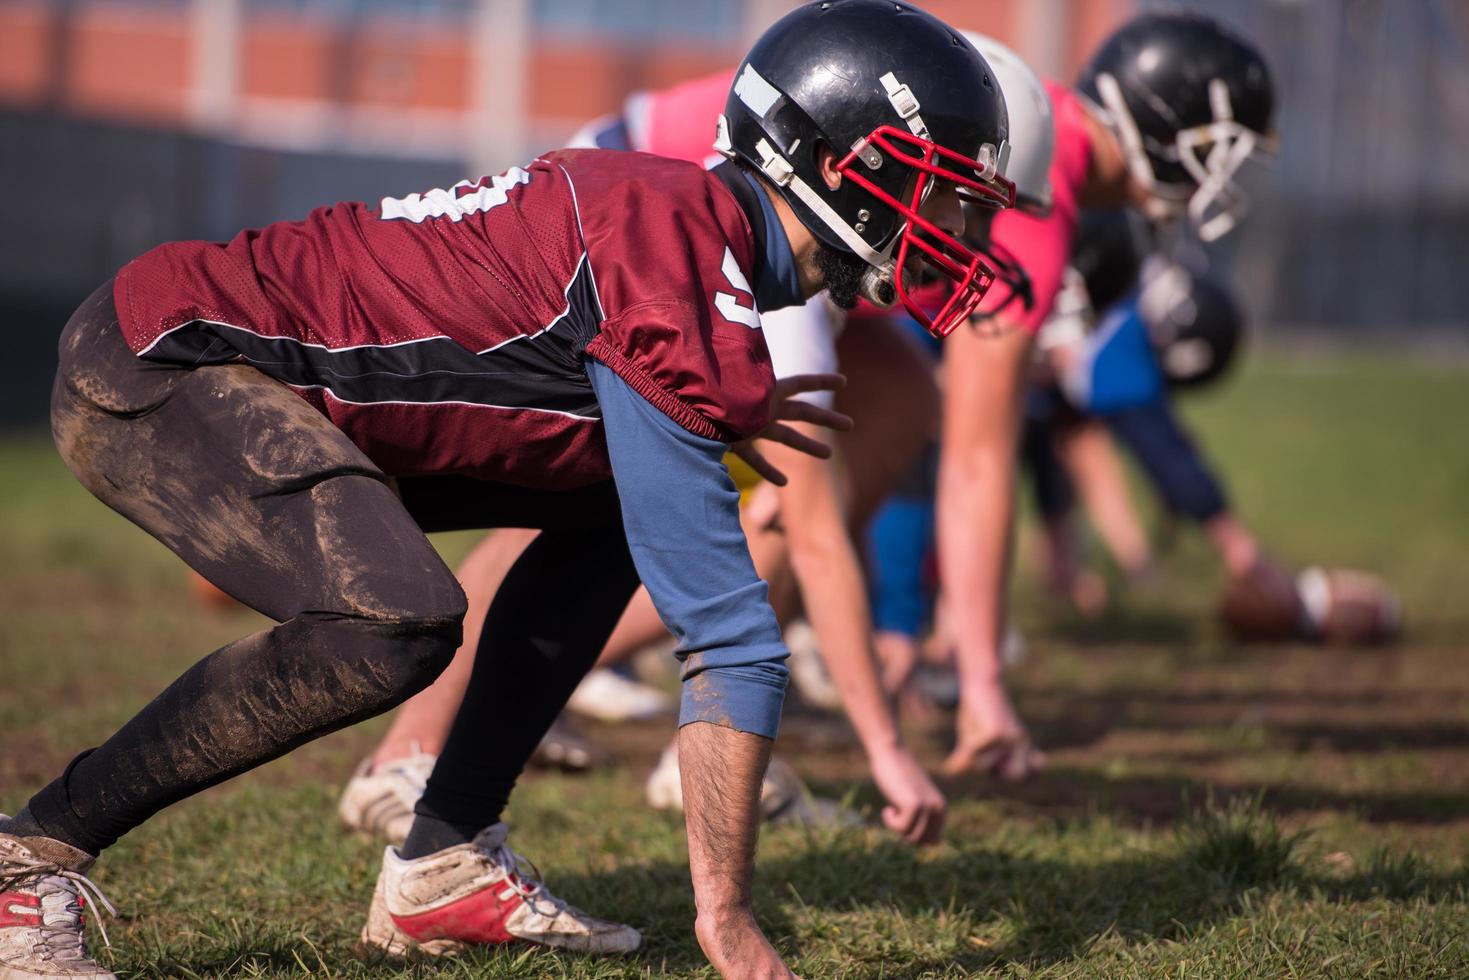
pixel 728 304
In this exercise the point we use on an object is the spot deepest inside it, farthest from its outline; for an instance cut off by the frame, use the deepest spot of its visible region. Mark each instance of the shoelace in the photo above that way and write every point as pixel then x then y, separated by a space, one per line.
pixel 31 868
pixel 524 878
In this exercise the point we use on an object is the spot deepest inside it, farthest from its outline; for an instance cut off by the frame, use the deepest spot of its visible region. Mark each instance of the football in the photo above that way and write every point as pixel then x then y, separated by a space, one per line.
pixel 1262 606
pixel 1346 607
pixel 1337 606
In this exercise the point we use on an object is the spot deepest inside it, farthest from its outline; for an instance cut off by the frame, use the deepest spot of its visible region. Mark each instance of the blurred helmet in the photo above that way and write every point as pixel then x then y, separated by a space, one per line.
pixel 1032 131
pixel 1194 323
pixel 1190 102
pixel 1108 253
pixel 903 101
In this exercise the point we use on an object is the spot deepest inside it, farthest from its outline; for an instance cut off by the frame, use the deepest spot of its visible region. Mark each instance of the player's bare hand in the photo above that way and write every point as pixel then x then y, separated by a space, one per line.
pixel 738 949
pixel 916 808
pixel 991 737
pixel 787 408
pixel 897 655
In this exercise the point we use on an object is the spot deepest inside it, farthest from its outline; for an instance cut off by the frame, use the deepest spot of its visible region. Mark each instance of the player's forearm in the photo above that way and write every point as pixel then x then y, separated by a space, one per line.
pixel 827 569
pixel 721 771
pixel 836 603
pixel 975 510
pixel 984 381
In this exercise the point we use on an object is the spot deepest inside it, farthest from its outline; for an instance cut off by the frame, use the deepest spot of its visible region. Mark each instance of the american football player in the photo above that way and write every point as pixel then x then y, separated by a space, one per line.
pixel 571 345
pixel 1136 331
pixel 889 394
pixel 1168 110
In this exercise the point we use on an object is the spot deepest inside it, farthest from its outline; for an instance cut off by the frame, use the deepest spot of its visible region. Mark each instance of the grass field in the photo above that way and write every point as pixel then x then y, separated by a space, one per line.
pixel 1209 810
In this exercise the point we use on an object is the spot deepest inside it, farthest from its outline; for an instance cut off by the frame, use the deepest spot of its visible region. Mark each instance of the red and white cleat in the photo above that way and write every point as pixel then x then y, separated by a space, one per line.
pixel 42 897
pixel 475 894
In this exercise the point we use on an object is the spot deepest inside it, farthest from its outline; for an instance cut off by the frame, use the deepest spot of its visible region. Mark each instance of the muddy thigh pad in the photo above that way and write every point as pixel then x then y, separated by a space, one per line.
pixel 257 491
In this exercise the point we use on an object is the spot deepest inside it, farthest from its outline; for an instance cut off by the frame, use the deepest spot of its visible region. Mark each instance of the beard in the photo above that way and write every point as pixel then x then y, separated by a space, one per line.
pixel 842 273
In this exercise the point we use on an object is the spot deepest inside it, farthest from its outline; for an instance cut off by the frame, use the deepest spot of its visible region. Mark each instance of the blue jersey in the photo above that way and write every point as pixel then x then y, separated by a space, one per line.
pixel 1119 367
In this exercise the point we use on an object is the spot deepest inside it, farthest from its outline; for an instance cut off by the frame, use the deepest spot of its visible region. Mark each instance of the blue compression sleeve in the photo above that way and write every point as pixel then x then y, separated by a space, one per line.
pixel 681 512
pixel 898 542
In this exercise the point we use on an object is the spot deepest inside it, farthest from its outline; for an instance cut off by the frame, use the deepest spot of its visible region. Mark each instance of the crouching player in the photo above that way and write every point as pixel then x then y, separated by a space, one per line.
pixel 1169 109
pixel 889 393
pixel 504 350
pixel 1137 331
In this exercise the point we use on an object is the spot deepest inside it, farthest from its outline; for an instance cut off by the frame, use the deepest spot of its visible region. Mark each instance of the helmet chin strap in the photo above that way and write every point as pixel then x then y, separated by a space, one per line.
pixel 1120 121
pixel 778 170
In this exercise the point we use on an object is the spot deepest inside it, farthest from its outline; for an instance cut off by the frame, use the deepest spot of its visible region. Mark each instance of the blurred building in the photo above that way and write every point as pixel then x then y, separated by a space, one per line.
pixel 129 122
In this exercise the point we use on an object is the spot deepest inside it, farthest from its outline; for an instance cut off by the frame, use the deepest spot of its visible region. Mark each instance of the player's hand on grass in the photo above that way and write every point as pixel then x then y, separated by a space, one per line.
pixel 916 808
pixel 897 657
pixel 787 408
pixel 991 737
pixel 737 948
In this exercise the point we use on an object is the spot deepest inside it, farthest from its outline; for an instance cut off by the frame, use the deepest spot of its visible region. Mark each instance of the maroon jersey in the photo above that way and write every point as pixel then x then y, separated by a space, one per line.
pixel 444 332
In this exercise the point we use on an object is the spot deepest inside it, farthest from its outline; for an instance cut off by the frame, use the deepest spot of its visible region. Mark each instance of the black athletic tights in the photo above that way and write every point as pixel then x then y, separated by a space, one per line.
pixel 257 491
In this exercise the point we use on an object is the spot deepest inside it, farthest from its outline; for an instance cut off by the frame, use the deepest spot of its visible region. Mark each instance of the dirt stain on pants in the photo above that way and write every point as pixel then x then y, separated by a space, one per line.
pixel 258 492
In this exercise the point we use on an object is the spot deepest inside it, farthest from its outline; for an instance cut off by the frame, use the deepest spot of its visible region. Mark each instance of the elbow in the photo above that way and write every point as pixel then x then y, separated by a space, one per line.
pixel 815 554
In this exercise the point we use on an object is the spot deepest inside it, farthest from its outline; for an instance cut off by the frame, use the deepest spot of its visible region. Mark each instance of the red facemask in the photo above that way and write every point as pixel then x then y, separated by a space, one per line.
pixel 1012 285
pixel 942 252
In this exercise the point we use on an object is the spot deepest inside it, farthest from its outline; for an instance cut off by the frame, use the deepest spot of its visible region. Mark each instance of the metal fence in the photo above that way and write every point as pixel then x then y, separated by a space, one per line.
pixel 86 197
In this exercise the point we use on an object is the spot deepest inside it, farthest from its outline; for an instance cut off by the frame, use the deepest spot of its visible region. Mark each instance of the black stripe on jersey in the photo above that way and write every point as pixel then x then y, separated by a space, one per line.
pixel 540 372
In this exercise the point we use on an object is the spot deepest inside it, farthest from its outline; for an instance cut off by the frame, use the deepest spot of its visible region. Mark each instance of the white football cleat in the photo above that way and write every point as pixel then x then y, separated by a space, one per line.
pixel 378 801
pixel 480 893
pixel 784 796
pixel 808 671
pixel 43 898
pixel 608 696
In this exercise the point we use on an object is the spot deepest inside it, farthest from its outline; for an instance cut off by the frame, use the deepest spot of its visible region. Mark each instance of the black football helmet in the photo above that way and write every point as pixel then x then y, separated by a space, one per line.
pixel 1108 253
pixel 903 101
pixel 1194 324
pixel 1190 102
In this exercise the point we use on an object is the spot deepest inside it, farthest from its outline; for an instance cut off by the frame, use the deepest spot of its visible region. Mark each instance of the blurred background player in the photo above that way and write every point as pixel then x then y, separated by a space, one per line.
pixel 1129 333
pixel 1168 110
pixel 801 534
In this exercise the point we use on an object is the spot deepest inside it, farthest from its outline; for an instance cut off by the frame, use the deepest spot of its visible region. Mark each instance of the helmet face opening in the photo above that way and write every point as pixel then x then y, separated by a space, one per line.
pixel 977 181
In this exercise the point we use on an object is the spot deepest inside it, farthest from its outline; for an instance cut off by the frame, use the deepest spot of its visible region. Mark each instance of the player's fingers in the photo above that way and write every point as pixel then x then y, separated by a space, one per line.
pixel 759 463
pixel 902 819
pixel 930 826
pixel 795 410
pixel 797 440
pixel 971 755
pixel 798 383
pixel 957 761
pixel 938 816
pixel 1019 762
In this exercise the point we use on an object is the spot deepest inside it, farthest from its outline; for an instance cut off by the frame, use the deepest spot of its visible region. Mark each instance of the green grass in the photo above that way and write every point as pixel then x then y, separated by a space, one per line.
pixel 1209 810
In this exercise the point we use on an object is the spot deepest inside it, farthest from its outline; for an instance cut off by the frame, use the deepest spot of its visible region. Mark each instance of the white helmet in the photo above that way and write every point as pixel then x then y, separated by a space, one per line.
pixel 1032 134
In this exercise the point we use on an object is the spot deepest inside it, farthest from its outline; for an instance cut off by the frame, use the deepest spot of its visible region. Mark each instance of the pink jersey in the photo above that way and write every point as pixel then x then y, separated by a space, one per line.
pixel 1042 246
pixel 679 122
pixel 444 332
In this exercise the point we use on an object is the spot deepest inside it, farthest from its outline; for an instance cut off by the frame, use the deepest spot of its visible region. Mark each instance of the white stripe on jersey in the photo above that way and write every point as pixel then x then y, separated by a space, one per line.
pixel 440 203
